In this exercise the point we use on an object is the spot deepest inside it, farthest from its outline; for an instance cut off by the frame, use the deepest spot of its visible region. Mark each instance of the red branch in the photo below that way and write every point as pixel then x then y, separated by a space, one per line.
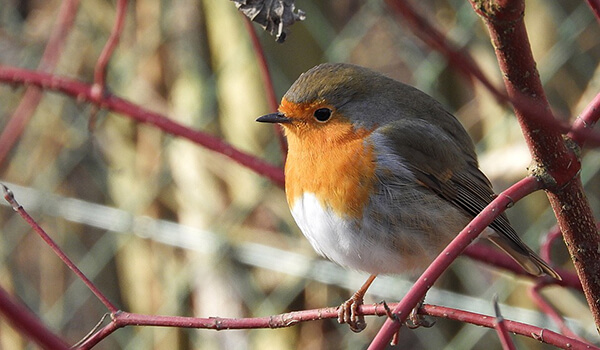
pixel 505 199
pixel 546 247
pixel 595 6
pixel 540 301
pixel 107 51
pixel 83 92
pixel 583 125
pixel 33 95
pixel 500 327
pixel 438 41
pixel 555 163
pixel 9 197
pixel 540 334
pixel 124 319
pixel 28 324
pixel 460 59
pixel 266 78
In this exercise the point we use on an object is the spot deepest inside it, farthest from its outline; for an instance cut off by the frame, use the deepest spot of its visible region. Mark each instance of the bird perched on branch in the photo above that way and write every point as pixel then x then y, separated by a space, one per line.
pixel 380 177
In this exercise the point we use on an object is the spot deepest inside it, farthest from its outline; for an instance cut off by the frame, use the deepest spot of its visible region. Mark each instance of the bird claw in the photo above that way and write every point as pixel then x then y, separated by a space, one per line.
pixel 414 319
pixel 348 313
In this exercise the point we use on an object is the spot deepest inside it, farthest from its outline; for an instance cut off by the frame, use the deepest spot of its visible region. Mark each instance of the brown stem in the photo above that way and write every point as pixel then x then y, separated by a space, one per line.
pixel 553 162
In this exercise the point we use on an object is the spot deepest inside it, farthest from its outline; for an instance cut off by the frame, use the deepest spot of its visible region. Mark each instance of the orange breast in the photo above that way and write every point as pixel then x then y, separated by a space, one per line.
pixel 333 162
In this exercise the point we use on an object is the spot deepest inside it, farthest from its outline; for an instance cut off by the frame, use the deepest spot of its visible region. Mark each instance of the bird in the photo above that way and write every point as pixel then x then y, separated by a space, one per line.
pixel 380 177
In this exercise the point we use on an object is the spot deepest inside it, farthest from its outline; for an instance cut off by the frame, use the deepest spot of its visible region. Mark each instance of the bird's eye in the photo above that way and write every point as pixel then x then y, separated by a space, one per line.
pixel 322 114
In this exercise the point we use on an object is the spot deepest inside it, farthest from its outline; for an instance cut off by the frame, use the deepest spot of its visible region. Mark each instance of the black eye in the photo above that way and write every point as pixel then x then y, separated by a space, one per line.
pixel 322 114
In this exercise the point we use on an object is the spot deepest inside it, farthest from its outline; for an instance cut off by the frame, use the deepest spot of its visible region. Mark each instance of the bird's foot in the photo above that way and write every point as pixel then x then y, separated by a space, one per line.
pixel 414 319
pixel 348 313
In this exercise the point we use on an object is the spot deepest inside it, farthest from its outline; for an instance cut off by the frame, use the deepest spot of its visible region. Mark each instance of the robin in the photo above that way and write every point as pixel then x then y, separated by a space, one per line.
pixel 380 177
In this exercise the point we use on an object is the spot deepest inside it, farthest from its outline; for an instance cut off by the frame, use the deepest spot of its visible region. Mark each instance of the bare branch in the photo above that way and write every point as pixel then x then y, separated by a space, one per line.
pixel 500 327
pixel 83 92
pixel 8 195
pixel 107 51
pixel 28 324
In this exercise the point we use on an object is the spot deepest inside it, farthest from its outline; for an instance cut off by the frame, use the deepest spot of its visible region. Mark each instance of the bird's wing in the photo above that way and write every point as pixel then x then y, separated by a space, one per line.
pixel 449 169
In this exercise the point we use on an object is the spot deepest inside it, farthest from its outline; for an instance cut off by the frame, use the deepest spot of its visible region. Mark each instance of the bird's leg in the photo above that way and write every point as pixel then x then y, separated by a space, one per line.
pixel 348 311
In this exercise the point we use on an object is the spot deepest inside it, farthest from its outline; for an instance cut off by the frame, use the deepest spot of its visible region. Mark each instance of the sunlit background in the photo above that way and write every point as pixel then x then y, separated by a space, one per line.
pixel 163 226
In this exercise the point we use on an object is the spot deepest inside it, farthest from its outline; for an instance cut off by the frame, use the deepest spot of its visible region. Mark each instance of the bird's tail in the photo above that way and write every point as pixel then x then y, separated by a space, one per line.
pixel 527 258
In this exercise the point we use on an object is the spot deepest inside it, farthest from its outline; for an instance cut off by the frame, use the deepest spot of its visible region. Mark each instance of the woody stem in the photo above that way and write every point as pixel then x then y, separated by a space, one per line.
pixel 554 163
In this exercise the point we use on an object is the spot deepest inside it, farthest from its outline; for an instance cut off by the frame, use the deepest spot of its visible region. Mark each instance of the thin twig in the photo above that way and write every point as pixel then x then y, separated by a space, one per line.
pixel 267 81
pixel 541 334
pixel 10 198
pixel 546 247
pixel 583 125
pixel 500 327
pixel 110 46
pixel 540 301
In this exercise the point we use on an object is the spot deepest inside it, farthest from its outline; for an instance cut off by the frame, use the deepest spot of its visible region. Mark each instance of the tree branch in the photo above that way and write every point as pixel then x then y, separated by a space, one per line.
pixel 28 324
pixel 554 163
pixel 123 319
pixel 110 46
pixel 83 92
pixel 10 198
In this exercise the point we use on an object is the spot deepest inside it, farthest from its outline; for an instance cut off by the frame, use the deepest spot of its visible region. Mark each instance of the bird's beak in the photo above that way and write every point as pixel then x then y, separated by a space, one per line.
pixel 274 118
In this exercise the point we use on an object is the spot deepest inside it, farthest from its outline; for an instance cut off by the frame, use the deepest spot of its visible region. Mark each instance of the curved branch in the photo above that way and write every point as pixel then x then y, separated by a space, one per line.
pixel 583 125
pixel 540 301
pixel 109 48
pixel 83 92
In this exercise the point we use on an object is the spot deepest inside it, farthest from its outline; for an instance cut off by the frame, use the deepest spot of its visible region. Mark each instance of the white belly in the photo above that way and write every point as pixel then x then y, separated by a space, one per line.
pixel 343 241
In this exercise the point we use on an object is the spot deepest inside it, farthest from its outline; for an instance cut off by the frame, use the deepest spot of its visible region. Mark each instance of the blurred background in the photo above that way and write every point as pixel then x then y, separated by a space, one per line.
pixel 163 226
